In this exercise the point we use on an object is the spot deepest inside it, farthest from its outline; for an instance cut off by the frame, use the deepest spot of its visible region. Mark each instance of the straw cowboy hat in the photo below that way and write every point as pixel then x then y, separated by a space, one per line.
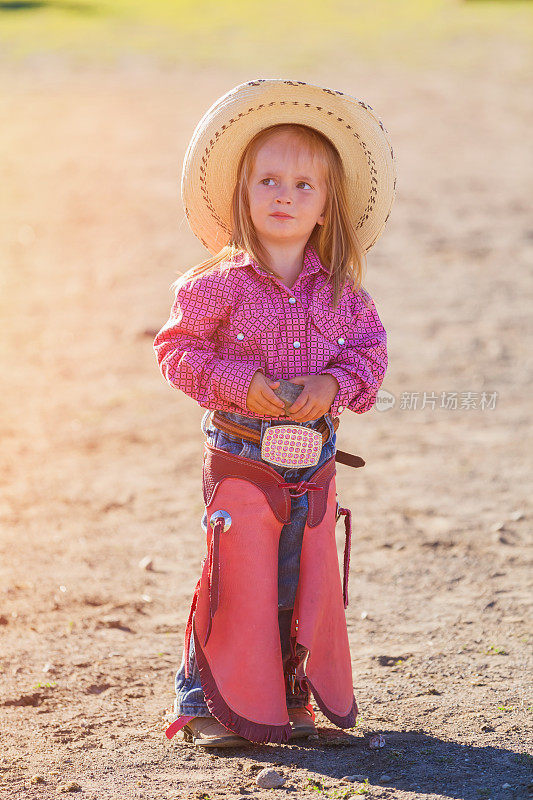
pixel 210 164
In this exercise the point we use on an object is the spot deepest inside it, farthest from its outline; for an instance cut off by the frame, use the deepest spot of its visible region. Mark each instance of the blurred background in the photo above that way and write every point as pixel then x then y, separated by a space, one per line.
pixel 101 459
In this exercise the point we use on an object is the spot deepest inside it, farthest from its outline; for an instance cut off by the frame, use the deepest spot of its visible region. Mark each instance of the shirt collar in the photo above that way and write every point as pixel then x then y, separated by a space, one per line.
pixel 311 262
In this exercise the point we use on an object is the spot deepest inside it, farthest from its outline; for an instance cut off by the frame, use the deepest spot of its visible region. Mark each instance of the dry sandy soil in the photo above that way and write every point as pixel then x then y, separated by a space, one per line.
pixel 101 459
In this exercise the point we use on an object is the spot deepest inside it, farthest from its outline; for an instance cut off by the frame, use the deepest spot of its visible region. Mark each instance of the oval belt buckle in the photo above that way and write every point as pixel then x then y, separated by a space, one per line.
pixel 291 446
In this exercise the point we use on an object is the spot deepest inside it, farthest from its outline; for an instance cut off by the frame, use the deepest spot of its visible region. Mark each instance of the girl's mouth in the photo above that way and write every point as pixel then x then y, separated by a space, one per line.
pixel 282 216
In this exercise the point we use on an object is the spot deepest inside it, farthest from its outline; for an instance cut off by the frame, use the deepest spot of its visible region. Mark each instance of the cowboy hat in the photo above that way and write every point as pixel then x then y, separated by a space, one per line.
pixel 212 156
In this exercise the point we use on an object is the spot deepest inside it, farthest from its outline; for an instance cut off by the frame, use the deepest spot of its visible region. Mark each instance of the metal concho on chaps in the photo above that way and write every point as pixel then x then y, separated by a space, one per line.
pixel 234 614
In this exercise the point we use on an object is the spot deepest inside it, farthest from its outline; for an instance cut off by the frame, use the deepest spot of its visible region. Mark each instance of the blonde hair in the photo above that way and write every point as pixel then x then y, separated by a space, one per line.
pixel 335 241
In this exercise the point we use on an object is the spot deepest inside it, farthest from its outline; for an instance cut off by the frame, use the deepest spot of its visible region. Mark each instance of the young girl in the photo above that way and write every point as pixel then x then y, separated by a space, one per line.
pixel 288 185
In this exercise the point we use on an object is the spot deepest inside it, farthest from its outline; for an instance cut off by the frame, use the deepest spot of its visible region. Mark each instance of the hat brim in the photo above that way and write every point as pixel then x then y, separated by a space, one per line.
pixel 212 157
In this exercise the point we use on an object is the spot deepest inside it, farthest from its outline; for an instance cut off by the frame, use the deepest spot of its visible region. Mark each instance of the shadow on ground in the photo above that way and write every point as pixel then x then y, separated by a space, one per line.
pixel 410 761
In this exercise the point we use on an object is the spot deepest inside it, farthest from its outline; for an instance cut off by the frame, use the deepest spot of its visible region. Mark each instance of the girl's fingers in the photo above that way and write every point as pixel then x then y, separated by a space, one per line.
pixel 269 395
pixel 299 403
pixel 265 408
pixel 264 411
pixel 303 415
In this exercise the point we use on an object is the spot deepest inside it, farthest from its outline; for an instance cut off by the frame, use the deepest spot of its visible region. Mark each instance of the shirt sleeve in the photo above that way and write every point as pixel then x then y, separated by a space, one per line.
pixel 360 367
pixel 187 354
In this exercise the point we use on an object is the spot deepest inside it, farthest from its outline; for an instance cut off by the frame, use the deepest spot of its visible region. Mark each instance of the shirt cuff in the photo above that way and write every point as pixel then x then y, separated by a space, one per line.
pixel 347 385
pixel 231 381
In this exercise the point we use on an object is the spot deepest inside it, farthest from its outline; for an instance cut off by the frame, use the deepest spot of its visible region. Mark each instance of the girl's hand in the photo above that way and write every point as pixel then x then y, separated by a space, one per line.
pixel 316 398
pixel 261 399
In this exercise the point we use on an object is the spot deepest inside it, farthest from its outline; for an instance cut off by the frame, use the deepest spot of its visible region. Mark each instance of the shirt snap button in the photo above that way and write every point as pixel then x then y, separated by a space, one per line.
pixel 240 336
pixel 340 409
pixel 341 340
pixel 296 344
pixel 292 299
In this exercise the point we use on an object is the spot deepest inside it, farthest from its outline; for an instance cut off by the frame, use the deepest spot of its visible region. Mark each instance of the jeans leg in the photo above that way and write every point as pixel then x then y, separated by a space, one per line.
pixel 190 699
pixel 290 547
pixel 290 543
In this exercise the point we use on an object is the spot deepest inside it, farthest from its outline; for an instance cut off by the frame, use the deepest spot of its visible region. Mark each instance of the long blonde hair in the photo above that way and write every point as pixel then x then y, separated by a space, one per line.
pixel 335 241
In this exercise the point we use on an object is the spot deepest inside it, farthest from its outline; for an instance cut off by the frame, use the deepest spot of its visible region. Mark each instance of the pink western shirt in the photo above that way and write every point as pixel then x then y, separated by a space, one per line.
pixel 225 325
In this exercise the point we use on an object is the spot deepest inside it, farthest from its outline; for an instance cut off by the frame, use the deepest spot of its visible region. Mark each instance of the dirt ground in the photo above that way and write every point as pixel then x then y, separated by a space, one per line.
pixel 101 459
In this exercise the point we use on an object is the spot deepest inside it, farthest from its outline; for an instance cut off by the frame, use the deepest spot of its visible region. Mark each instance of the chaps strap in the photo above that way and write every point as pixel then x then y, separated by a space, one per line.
pixel 347 547
pixel 219 464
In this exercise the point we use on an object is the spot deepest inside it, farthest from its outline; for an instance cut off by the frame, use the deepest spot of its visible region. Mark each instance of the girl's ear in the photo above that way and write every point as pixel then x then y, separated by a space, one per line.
pixel 320 220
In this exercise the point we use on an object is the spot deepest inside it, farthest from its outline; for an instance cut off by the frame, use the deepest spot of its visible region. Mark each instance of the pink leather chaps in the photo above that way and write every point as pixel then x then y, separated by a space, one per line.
pixel 234 612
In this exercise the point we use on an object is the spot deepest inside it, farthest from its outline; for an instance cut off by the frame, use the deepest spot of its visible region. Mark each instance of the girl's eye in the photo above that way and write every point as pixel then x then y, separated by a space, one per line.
pixel 264 181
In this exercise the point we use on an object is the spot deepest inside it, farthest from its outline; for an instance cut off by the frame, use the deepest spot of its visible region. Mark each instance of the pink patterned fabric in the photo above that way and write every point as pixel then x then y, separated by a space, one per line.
pixel 226 324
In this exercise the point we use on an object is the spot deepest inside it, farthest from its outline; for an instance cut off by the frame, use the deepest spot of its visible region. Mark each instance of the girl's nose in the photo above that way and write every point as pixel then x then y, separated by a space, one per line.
pixel 284 196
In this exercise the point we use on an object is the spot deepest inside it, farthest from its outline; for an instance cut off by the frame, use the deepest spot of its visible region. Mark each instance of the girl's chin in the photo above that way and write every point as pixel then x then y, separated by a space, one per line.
pixel 271 238
pixel 280 229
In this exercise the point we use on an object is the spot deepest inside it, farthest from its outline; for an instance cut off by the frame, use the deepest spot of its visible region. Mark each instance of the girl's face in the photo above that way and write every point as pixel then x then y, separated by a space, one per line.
pixel 287 191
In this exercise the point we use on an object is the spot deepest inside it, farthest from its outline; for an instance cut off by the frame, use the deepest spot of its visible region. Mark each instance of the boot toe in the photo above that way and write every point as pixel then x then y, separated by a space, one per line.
pixel 301 723
pixel 209 732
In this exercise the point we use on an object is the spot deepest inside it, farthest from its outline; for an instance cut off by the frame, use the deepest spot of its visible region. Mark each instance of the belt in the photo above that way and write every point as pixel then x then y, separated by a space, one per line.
pixel 242 432
pixel 235 429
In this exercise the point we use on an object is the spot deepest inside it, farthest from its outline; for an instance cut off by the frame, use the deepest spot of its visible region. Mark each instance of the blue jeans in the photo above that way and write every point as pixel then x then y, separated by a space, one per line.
pixel 190 698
